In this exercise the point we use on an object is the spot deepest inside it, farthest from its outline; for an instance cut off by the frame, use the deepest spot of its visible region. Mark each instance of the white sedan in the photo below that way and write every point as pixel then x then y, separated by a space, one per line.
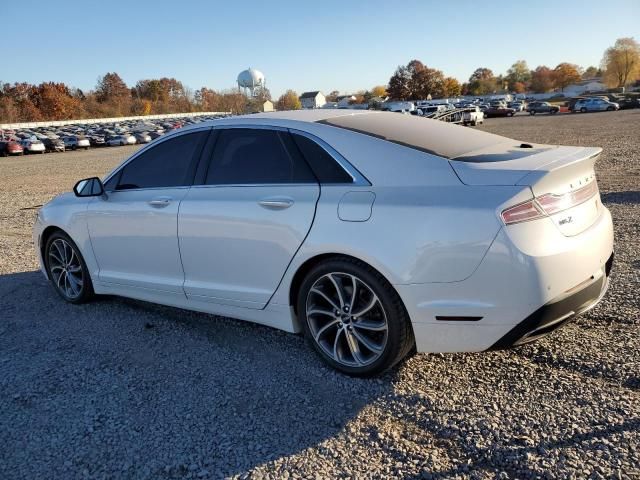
pixel 121 140
pixel 375 234
pixel 595 105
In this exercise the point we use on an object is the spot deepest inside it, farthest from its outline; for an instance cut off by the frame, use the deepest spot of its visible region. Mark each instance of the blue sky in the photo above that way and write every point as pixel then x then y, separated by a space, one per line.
pixel 305 45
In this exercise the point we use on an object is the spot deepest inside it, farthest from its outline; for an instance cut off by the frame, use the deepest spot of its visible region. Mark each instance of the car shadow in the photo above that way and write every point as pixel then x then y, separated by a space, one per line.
pixel 622 198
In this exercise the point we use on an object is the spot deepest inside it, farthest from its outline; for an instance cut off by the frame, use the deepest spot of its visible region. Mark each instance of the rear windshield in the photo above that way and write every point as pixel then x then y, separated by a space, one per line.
pixel 446 140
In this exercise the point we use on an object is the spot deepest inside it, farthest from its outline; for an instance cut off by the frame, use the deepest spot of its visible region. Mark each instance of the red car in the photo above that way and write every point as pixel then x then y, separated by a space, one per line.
pixel 10 147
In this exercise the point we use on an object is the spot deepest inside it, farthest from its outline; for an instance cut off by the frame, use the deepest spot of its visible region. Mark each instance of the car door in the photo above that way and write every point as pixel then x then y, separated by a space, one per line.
pixel 242 226
pixel 134 228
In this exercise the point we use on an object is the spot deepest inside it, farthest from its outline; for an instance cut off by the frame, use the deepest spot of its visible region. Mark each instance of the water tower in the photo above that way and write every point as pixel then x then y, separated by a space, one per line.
pixel 251 82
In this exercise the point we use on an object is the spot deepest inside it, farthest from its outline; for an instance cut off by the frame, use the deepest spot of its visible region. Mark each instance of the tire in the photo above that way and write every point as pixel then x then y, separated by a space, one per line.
pixel 360 347
pixel 610 109
pixel 532 112
pixel 583 110
pixel 67 270
pixel 73 147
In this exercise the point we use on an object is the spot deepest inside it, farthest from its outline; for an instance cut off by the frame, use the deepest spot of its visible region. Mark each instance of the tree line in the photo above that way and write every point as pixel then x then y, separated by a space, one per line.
pixel 620 66
pixel 111 96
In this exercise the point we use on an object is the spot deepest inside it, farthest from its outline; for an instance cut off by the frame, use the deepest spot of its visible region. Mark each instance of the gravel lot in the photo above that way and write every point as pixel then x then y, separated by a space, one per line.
pixel 125 389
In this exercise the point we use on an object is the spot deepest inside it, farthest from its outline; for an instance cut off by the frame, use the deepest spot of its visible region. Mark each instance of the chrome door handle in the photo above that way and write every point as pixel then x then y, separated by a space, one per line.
pixel 276 203
pixel 160 202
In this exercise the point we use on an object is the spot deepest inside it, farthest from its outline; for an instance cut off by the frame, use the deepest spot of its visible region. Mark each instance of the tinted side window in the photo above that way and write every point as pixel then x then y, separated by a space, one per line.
pixel 326 169
pixel 255 156
pixel 168 164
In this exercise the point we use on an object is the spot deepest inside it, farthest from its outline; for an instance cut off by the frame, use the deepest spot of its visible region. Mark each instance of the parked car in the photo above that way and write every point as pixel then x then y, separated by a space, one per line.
pixel 595 105
pixel 121 140
pixel 32 145
pixel 74 142
pixel 626 103
pixel 499 112
pixel 53 145
pixel 155 135
pixel 431 110
pixel 142 137
pixel 542 107
pixel 265 246
pixel 10 147
pixel 517 106
pixel 473 116
pixel 97 141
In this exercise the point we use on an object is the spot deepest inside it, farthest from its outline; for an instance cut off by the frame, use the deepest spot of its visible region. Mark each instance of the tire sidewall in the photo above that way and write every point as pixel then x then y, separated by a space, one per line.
pixel 87 288
pixel 390 302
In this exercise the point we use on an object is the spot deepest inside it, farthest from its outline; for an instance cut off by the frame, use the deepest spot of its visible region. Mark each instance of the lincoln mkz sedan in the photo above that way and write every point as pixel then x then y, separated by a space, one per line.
pixel 376 234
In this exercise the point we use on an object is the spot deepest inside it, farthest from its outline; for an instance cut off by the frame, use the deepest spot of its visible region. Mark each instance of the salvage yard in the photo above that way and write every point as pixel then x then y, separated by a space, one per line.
pixel 124 389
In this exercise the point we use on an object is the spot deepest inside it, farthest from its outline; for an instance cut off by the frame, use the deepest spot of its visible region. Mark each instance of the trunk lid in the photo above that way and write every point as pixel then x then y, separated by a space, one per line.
pixel 562 179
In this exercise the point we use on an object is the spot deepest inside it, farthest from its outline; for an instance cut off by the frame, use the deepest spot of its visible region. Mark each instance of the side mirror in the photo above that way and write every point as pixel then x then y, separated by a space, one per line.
pixel 89 187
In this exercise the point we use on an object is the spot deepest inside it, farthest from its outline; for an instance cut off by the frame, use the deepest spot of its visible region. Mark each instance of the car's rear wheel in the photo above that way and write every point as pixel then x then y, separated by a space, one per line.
pixel 354 318
pixel 532 112
pixel 66 269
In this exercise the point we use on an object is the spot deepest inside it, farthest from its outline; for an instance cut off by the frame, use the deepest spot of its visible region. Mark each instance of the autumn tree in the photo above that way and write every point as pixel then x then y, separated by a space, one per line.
pixel 289 100
pixel 621 63
pixel 379 91
pixel 482 81
pixel 518 73
pixel 332 96
pixel 565 74
pixel 542 79
pixel 591 72
pixel 452 87
pixel 416 81
pixel 114 94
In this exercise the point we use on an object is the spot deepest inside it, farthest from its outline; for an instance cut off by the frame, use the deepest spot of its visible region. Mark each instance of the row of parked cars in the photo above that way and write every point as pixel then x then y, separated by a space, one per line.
pixel 84 136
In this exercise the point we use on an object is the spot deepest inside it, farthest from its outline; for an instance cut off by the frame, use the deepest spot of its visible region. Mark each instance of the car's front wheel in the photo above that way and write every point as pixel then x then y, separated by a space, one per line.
pixel 583 110
pixel 354 318
pixel 66 269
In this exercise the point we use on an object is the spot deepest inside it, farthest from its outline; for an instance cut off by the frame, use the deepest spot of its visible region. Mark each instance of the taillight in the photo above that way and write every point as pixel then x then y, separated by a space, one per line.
pixel 548 204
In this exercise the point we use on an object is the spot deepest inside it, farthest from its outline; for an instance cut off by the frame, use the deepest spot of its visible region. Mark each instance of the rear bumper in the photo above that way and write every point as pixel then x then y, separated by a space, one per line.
pixel 529 279
pixel 557 313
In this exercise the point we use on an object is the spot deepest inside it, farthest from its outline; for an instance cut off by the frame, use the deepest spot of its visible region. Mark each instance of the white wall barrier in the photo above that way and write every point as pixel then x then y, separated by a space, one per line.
pixel 58 123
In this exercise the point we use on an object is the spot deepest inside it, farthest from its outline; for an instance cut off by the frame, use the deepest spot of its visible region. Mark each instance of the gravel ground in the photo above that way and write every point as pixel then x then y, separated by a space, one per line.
pixel 125 389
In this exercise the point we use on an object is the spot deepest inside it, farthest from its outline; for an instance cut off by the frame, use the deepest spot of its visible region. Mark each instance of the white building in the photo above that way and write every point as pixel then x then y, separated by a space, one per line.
pixel 590 85
pixel 312 99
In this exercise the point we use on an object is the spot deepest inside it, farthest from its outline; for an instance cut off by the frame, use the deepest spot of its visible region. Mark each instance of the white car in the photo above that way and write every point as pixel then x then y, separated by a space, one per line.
pixel 473 116
pixel 121 140
pixel 31 145
pixel 74 142
pixel 375 234
pixel 595 105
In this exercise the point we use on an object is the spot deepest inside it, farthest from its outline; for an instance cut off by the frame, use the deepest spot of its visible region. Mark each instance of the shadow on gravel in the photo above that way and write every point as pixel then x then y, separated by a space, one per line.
pixel 622 198
pixel 125 388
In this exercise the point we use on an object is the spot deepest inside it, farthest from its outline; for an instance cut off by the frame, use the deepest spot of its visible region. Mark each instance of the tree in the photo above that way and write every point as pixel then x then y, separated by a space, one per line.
pixel 399 88
pixel 519 87
pixel 518 73
pixel 289 100
pixel 565 74
pixel 114 93
pixel 482 81
pixel 591 72
pixel 379 91
pixel 621 63
pixel 542 79
pixel 332 96
pixel 452 87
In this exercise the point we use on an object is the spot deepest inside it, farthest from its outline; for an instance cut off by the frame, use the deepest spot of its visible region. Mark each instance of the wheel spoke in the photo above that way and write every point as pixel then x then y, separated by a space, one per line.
pixel 335 344
pixel 56 267
pixel 316 311
pixel 331 302
pixel 326 327
pixel 370 305
pixel 73 283
pixel 338 290
pixel 55 256
pixel 354 347
pixel 354 284
pixel 369 325
pixel 367 342
pixel 61 277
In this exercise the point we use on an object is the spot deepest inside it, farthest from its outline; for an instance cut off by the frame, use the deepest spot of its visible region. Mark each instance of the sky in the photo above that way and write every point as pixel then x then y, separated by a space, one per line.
pixel 306 45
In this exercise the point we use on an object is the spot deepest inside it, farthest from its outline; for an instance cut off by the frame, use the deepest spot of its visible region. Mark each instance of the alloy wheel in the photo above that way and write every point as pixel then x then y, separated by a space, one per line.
pixel 346 319
pixel 66 269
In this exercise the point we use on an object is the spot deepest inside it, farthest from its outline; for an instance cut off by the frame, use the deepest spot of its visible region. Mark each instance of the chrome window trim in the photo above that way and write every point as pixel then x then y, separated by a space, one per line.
pixel 359 180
